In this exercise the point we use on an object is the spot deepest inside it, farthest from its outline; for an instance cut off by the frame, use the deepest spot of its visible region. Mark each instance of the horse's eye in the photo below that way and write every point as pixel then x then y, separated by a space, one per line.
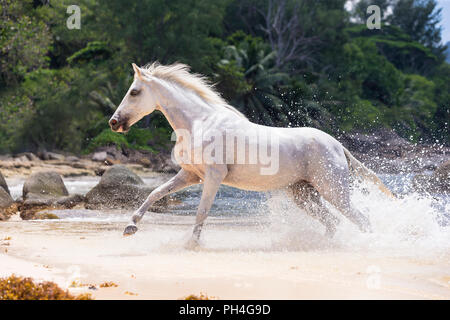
pixel 134 92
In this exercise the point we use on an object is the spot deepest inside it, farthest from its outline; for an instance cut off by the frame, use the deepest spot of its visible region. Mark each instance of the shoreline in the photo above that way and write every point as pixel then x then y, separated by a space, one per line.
pixel 143 269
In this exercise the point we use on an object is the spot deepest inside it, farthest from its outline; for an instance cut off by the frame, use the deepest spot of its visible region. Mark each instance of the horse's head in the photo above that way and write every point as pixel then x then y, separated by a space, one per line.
pixel 137 103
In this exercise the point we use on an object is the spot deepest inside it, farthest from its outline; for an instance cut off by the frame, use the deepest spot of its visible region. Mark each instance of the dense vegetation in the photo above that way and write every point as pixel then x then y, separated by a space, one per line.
pixel 282 63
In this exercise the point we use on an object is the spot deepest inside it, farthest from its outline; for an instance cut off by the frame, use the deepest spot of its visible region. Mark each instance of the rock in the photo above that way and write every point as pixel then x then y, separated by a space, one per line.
pixel 111 161
pixel 55 156
pixel 44 185
pixel 437 182
pixel 43 155
pixel 32 157
pixel 382 141
pixel 70 201
pixel 3 183
pixel 21 158
pixel 72 159
pixel 5 199
pixel 441 177
pixel 60 202
pixel 28 155
pixel 443 171
pixel 99 156
pixel 31 209
pixel 100 171
pixel 145 162
pixel 45 191
pixel 119 188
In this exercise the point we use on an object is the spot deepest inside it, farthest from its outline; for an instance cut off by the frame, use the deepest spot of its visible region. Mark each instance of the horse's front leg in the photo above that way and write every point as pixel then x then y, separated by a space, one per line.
pixel 214 176
pixel 180 181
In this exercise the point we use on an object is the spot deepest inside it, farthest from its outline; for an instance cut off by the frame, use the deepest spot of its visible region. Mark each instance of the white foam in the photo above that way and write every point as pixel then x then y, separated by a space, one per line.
pixel 412 224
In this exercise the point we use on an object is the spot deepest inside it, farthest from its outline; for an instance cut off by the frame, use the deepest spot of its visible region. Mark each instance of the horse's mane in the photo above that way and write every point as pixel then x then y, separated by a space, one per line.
pixel 180 74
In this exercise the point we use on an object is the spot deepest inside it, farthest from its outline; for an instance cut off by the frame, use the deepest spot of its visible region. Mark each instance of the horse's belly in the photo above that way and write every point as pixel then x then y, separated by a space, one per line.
pixel 250 177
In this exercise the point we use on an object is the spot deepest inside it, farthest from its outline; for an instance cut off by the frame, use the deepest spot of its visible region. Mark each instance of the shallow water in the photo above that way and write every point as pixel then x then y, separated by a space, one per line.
pixel 413 225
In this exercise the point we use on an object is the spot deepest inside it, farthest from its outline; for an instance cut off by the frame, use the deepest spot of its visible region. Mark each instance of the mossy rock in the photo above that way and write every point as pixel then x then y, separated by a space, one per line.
pixel 46 216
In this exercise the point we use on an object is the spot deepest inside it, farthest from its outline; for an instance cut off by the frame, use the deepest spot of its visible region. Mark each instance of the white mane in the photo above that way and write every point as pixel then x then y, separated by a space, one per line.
pixel 180 74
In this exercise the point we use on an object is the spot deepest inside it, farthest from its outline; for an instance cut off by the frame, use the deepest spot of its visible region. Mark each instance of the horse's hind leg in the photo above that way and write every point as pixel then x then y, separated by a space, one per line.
pixel 336 191
pixel 308 199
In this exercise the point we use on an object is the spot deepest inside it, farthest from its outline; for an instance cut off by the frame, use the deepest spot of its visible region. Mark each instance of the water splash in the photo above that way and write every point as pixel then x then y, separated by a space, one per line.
pixel 413 224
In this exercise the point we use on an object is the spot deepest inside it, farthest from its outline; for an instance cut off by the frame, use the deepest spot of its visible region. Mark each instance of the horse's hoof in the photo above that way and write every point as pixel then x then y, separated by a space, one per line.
pixel 130 230
pixel 192 244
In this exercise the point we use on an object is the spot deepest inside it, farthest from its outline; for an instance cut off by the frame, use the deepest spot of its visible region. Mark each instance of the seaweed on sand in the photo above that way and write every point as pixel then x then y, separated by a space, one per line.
pixel 18 288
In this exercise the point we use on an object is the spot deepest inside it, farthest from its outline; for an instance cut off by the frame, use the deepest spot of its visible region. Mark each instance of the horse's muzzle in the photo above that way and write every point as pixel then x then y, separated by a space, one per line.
pixel 118 125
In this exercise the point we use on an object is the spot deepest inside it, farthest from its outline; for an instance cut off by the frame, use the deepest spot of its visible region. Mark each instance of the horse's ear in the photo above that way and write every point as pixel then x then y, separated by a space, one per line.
pixel 137 70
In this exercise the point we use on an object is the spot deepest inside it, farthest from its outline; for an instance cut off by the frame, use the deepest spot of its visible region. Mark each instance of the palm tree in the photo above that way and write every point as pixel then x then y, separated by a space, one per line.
pixel 248 67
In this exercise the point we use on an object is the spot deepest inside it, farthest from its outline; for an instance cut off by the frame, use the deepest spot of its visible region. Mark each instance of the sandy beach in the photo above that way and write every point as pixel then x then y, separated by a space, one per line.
pixel 251 264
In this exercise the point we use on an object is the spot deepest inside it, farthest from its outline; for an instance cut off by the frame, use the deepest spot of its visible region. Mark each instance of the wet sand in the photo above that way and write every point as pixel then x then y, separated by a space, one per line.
pixel 237 260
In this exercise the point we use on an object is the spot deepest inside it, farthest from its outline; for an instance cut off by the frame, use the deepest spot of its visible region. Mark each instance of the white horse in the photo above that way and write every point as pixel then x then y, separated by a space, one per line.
pixel 310 164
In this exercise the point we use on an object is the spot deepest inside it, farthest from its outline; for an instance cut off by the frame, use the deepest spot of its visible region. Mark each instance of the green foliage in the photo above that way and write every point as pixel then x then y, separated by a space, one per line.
pixel 441 119
pixel 167 31
pixel 362 115
pixel 107 138
pixel 59 87
pixel 137 138
pixel 16 110
pixel 149 139
pixel 248 77
pixel 417 105
pixel 404 53
pixel 95 50
pixel 24 41
pixel 420 19
pixel 56 105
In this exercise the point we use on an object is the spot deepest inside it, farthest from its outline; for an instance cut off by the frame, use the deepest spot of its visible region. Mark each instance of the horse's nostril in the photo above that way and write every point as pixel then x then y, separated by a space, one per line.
pixel 113 122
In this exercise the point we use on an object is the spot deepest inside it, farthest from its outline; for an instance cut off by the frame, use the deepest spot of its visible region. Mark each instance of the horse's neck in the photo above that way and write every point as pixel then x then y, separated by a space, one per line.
pixel 181 108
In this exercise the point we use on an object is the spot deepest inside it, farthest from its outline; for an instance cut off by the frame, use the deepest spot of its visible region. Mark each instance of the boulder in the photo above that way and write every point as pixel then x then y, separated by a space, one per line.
pixel 3 184
pixel 44 185
pixel 119 188
pixel 21 158
pixel 55 156
pixel 441 177
pixel 28 155
pixel 72 159
pixel 6 201
pixel 45 191
pixel 31 209
pixel 99 156
pixel 43 155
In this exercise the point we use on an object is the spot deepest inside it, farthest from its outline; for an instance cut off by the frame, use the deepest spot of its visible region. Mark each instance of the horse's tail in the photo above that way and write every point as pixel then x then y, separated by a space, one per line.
pixel 360 170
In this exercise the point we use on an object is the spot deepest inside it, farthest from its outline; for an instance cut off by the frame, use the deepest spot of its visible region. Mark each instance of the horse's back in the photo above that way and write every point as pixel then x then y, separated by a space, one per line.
pixel 298 154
